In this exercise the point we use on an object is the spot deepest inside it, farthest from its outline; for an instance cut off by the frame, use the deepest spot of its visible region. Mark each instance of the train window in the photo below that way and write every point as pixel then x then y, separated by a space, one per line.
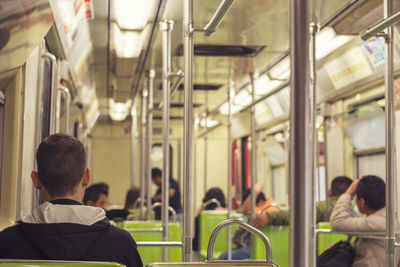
pixel 372 164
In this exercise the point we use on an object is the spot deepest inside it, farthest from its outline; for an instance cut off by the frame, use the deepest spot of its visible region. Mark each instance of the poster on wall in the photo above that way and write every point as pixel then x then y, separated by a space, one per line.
pixel 348 68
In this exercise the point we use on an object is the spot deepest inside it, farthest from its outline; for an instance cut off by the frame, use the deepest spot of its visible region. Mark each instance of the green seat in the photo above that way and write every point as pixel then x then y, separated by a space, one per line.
pixel 136 212
pixel 278 235
pixel 209 219
pixel 34 263
pixel 154 254
pixel 325 240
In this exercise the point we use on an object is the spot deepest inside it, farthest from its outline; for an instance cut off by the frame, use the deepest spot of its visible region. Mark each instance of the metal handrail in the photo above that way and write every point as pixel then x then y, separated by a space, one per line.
pixel 216 19
pixel 210 201
pixel 267 207
pixel 248 227
pixel 171 209
pixel 67 93
pixel 144 230
pixel 380 26
pixel 174 86
pixel 159 243
pixel 54 83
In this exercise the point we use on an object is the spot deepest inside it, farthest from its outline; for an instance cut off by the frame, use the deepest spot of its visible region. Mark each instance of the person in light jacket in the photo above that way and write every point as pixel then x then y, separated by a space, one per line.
pixel 370 199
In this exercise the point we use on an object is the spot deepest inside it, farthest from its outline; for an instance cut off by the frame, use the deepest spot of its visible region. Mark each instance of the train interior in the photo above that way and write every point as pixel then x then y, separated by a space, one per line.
pixel 85 68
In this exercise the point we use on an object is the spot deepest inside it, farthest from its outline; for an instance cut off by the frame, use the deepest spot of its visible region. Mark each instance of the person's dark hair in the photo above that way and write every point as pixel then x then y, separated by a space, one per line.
pixel 94 191
pixel 216 193
pixel 131 196
pixel 156 172
pixel 372 189
pixel 339 185
pixel 259 197
pixel 61 163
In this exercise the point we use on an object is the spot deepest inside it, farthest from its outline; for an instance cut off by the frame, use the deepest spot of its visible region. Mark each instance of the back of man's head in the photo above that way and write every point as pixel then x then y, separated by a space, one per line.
pixel 61 163
pixel 94 191
pixel 216 193
pixel 339 185
pixel 372 189
pixel 156 172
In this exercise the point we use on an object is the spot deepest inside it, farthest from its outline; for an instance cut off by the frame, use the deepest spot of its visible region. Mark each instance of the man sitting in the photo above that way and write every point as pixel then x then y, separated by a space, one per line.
pixel 62 228
pixel 96 195
pixel 370 192
pixel 324 208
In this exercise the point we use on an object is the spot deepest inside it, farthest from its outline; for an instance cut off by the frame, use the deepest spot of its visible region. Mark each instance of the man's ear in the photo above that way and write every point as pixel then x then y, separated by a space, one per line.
pixel 361 204
pixel 86 177
pixel 330 193
pixel 35 180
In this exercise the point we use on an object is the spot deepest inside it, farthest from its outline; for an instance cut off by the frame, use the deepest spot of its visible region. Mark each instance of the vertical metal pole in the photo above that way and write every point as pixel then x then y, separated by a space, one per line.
pixel 166 28
pixel 149 135
pixel 206 146
pixel 230 100
pixel 253 158
pixel 134 136
pixel 390 138
pixel 144 183
pixel 195 177
pixel 314 142
pixel 188 121
pixel 299 162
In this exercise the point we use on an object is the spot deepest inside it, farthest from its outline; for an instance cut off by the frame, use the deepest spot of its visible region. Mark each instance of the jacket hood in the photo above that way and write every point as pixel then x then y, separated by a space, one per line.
pixel 63 231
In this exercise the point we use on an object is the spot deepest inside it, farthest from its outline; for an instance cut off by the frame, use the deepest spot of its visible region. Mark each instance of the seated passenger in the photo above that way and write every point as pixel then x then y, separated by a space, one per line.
pixel 96 195
pixel 216 193
pixel 132 197
pixel 174 193
pixel 242 238
pixel 62 228
pixel 370 199
pixel 324 208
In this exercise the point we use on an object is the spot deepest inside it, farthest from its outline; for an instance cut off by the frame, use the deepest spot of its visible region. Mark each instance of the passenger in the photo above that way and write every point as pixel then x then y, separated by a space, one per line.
pixel 242 238
pixel 215 193
pixel 174 193
pixel 132 197
pixel 96 195
pixel 324 208
pixel 62 228
pixel 370 192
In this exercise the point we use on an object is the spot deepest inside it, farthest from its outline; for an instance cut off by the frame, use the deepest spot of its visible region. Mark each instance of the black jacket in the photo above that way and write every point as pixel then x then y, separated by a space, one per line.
pixel 69 241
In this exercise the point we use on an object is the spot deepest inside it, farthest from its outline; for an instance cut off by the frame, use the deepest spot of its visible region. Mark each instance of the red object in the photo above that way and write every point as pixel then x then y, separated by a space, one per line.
pixel 246 143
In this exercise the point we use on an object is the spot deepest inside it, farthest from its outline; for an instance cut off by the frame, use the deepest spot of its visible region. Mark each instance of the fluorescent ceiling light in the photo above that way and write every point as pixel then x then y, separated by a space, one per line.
pixel 281 70
pixel 210 122
pixel 242 98
pixel 118 111
pixel 224 109
pixel 264 85
pixel 327 41
pixel 133 14
pixel 128 44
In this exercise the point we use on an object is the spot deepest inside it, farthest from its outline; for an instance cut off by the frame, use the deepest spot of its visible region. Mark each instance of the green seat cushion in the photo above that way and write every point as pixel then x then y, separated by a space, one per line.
pixel 209 219
pixel 154 254
pixel 325 240
pixel 27 263
pixel 278 235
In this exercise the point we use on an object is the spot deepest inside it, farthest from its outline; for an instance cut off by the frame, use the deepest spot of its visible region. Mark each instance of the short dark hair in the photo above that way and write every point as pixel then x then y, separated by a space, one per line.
pixel 61 163
pixel 155 172
pixel 372 189
pixel 339 185
pixel 259 197
pixel 216 193
pixel 94 191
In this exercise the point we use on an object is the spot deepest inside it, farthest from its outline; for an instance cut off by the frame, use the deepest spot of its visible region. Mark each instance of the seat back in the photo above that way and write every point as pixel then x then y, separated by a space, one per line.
pixel 153 254
pixel 325 240
pixel 278 235
pixel 36 263
pixel 209 219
